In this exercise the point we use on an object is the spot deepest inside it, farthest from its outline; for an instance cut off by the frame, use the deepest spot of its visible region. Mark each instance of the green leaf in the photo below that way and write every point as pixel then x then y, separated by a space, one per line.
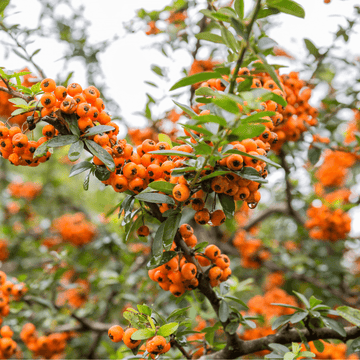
pixel 172 153
pixel 229 39
pixel 284 319
pixel 81 167
pixel 35 52
pixel 333 324
pixel 86 181
pixel 157 245
pixel 162 186
pixel 198 129
pixel 250 173
pixel 102 173
pixel 239 8
pixel 287 306
pixel 246 131
pixel 313 50
pixel 265 43
pixel 3 5
pixel 186 109
pixel 18 101
pixel 319 345
pixel 166 257
pixel 289 356
pixel 168 329
pixel 224 311
pixel 157 70
pixel 41 301
pixel 306 354
pixel 75 150
pixel 270 70
pixel 178 312
pixel 265 95
pixel 228 205
pixel 280 349
pixel 203 119
pixel 314 301
pixel 134 226
pixel 98 130
pixel 214 174
pixel 72 121
pixel 101 153
pixel 61 140
pixel 210 37
pixel 194 79
pixel 171 226
pixel 144 309
pixel 18 111
pixel 302 298
pixel 233 298
pixel 155 198
pixel 314 154
pixel 350 314
pixel 288 7
pixel 226 103
pixel 41 150
pixel 298 316
pixel 142 334
pixel 165 138
pixel 258 116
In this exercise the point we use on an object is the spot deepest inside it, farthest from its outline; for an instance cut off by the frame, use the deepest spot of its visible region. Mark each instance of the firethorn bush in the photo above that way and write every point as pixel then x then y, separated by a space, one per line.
pixel 223 228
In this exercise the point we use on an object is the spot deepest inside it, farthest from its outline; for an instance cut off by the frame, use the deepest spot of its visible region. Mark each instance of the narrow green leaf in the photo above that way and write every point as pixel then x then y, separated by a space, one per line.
pixel 258 157
pixel 210 119
pixel 350 314
pixel 284 319
pixel 156 262
pixel 288 7
pixel 239 8
pixel 224 311
pixel 186 109
pixel 313 50
pixel 79 168
pixel 280 349
pixel 333 324
pixel 298 316
pixel 101 153
pixel 41 150
pixel 75 150
pixel 270 70
pixel 61 140
pixel 98 130
pixel 194 79
pixel 210 37
pixel 162 186
pixel 229 39
pixel 155 198
pixel 171 226
pixel 173 153
pixel 302 298
pixel 228 205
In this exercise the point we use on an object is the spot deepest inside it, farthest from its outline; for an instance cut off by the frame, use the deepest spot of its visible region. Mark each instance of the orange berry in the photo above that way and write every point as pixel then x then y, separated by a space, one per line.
pixel 116 333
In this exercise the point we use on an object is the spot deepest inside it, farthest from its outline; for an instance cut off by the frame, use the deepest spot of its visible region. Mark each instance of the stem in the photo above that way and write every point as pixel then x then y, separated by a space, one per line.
pixel 245 47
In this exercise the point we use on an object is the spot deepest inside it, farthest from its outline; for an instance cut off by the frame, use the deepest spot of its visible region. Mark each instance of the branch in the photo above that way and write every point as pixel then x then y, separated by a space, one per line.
pixel 293 335
pixel 339 294
pixel 183 351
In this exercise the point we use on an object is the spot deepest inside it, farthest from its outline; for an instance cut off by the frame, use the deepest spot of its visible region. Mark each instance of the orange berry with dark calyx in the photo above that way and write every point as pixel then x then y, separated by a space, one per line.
pixel 162 145
pixel 217 217
pixel 83 109
pixel 120 183
pixel 68 105
pixel 130 170
pixel 197 204
pixel 177 289
pixel 148 145
pixel 212 252
pixel 74 89
pixel 235 162
pixel 225 274
pixel 203 261
pixel 188 271
pixel 48 85
pixel 104 118
pixel 219 184
pixel 143 231
pixel 215 273
pixel 202 217
pixel 48 100
pixel 131 344
pixel 60 93
pixel 116 333
pixel 93 113
pixel 186 230
pixel 91 94
pixel 181 192
pixel 20 140
pixel 191 241
pixel 222 261
pixel 156 345
pixel 48 131
pixel 137 185
pixel 159 276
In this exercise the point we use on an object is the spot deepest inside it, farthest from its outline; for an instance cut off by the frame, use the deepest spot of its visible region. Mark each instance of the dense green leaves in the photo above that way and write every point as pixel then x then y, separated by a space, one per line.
pixel 101 153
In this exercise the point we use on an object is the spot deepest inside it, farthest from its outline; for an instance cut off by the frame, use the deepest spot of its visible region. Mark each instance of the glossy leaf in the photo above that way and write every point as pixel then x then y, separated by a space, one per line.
pixel 194 79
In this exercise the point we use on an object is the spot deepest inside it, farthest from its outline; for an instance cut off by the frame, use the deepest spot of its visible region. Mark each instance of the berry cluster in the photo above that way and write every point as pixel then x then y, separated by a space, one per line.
pixel 154 346
pixel 47 347
pixel 179 275
pixel 25 190
pixel 8 346
pixel 327 224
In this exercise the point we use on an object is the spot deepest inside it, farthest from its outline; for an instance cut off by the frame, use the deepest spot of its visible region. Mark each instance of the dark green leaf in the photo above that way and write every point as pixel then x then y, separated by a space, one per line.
pixel 228 205
pixel 250 173
pixel 81 167
pixel 246 131
pixel 214 174
pixel 87 181
pixel 173 153
pixel 98 130
pixel 102 173
pixel 226 103
pixel 41 150
pixel 280 349
pixel 333 324
pixel 280 321
pixel 229 39
pixel 170 229
pixel 233 298
pixel 72 121
pixel 194 79
pixel 313 50
pixel 319 345
pixel 258 157
pixel 75 150
pixel 287 306
pixel 144 309
pixel 162 186
pixel 157 245
pixel 298 316
pixel 166 257
pixel 210 119
pixel 186 109
pixel 61 140
pixel 270 70
pixel 258 117
pixel 303 299
pixel 155 198
pixel 178 312
pixel 224 311
pixel 101 153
